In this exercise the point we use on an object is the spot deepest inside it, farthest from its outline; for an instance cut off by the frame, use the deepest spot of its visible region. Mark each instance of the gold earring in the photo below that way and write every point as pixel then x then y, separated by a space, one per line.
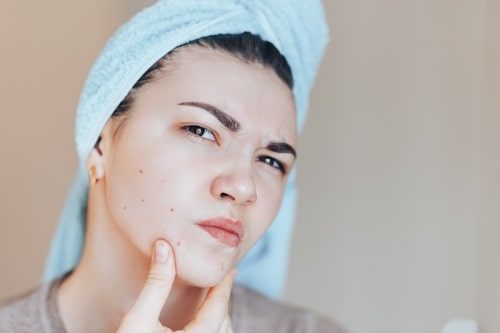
pixel 92 175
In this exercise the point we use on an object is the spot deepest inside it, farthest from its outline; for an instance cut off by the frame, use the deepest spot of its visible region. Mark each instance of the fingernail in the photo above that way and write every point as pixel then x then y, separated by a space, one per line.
pixel 161 252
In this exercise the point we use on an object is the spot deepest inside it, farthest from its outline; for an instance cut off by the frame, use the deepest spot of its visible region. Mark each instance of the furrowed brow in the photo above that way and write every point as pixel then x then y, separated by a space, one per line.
pixel 282 147
pixel 225 119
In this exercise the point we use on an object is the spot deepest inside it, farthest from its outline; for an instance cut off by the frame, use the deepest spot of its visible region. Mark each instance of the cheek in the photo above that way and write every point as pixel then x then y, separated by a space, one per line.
pixel 140 198
pixel 131 184
pixel 268 205
pixel 150 195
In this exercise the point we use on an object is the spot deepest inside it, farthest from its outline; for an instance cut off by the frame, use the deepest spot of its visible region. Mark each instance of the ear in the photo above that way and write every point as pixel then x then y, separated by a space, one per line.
pixel 95 163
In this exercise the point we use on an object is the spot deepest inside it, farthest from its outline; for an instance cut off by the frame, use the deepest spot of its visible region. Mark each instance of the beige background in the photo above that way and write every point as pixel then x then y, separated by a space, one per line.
pixel 399 165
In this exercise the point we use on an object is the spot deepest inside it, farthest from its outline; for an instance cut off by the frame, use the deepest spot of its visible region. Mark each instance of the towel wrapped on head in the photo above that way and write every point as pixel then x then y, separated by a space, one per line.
pixel 297 28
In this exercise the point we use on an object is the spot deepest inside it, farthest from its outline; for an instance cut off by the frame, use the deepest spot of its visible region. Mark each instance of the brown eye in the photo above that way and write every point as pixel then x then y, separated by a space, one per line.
pixel 201 132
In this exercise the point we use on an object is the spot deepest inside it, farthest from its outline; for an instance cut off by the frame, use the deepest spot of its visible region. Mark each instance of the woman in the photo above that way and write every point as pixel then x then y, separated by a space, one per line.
pixel 186 164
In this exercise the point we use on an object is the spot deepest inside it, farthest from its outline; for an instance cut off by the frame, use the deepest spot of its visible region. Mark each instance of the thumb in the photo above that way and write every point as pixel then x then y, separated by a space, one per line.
pixel 146 309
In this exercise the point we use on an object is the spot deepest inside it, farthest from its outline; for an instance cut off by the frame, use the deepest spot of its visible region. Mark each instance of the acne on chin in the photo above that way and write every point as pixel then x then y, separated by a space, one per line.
pixel 200 268
pixel 201 279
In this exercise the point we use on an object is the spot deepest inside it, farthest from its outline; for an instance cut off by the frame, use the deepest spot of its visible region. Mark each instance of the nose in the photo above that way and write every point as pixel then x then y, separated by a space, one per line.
pixel 236 184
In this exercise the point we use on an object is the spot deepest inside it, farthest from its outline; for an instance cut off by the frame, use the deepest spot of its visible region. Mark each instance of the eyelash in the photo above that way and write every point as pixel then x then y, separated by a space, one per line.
pixel 272 162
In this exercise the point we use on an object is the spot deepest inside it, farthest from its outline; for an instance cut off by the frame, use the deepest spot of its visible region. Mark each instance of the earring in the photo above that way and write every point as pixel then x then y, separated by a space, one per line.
pixel 93 175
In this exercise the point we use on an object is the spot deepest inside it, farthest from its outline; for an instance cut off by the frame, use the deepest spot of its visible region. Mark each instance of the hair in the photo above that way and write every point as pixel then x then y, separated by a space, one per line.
pixel 246 46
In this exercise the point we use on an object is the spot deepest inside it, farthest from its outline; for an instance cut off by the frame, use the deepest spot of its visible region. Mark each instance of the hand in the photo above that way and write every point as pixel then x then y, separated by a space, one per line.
pixel 143 316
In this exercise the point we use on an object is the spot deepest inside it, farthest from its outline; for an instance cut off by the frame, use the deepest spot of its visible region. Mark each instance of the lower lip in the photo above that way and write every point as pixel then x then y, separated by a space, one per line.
pixel 224 236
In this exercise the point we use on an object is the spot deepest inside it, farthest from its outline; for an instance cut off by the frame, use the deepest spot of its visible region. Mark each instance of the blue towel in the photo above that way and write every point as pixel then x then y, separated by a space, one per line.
pixel 296 27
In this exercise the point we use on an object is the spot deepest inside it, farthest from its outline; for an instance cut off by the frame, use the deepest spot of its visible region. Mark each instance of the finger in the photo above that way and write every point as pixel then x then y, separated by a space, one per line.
pixel 214 309
pixel 144 314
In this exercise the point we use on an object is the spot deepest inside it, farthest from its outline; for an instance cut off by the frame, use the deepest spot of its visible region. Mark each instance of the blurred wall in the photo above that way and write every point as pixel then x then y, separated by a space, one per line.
pixel 489 263
pixel 398 222
pixel 396 168
pixel 47 48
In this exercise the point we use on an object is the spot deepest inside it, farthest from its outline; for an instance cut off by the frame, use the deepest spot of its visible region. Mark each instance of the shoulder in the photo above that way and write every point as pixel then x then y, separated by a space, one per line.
pixel 253 312
pixel 29 312
pixel 21 314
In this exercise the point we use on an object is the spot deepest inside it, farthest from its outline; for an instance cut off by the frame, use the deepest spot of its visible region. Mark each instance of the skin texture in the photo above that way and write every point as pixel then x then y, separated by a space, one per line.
pixel 171 163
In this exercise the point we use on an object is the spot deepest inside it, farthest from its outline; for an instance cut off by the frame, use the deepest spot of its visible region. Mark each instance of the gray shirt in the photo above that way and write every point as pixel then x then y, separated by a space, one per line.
pixel 37 311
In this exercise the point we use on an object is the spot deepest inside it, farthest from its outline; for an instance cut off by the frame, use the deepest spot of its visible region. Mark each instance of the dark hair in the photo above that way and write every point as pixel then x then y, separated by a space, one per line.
pixel 245 46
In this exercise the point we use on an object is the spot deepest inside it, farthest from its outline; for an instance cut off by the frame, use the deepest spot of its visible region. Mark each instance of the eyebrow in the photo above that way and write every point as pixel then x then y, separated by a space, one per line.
pixel 282 147
pixel 225 119
pixel 234 126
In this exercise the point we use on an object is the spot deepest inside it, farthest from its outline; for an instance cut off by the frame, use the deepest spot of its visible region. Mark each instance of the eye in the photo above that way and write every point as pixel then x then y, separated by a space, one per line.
pixel 202 132
pixel 272 162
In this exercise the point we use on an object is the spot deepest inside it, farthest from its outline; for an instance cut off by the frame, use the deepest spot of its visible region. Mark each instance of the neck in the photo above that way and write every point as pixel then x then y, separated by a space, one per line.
pixel 108 279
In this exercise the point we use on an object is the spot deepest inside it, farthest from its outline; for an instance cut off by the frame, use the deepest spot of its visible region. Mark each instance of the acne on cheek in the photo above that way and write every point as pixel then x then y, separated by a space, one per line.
pixel 141 171
pixel 172 210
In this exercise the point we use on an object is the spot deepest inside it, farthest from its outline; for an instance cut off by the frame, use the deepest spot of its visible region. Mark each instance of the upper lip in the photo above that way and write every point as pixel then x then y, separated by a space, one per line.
pixel 233 226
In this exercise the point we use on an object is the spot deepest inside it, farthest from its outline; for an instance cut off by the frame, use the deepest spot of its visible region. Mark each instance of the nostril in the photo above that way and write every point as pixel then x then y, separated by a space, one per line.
pixel 225 195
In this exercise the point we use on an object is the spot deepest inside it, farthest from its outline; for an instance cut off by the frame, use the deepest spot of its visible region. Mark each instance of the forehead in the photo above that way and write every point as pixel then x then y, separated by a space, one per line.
pixel 195 55
pixel 192 54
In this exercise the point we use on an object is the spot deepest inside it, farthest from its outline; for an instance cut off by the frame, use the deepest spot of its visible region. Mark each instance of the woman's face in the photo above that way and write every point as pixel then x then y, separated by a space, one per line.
pixel 201 160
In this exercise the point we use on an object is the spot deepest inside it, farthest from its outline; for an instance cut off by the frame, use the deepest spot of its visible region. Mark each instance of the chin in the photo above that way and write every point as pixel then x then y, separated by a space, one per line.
pixel 202 263
pixel 198 263
pixel 202 275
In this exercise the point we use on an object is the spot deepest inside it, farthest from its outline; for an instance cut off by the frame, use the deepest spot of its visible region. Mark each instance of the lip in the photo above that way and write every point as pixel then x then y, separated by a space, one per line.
pixel 226 231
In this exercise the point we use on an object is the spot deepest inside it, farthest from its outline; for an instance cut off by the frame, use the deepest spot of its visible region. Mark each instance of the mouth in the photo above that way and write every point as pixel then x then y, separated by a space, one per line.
pixel 224 230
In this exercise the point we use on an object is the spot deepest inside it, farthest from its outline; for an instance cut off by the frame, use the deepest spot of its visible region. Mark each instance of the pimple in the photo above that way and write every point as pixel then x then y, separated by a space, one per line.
pixel 171 210
pixel 140 171
pixel 178 243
